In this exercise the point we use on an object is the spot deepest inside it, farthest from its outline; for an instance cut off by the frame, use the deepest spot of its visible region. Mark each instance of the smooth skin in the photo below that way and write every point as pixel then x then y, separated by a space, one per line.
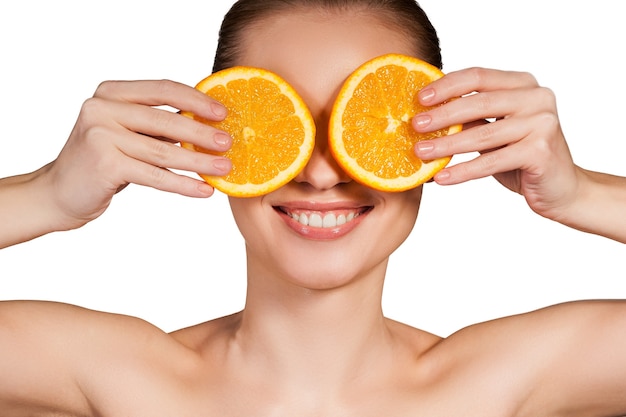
pixel 525 149
pixel 312 339
pixel 120 137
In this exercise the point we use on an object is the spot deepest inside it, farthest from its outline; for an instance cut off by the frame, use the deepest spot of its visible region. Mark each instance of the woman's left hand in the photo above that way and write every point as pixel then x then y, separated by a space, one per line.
pixel 523 146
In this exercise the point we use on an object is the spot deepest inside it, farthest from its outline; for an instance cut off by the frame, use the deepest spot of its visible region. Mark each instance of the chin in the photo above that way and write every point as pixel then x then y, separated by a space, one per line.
pixel 327 269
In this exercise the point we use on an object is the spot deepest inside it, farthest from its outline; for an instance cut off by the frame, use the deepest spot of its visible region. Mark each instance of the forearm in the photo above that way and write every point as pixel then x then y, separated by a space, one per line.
pixel 600 207
pixel 26 211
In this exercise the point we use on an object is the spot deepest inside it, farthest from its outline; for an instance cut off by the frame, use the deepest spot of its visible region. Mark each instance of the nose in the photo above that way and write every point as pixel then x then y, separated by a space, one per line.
pixel 322 171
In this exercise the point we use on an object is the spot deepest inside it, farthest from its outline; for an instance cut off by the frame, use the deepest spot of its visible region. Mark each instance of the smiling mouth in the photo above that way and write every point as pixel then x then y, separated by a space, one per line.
pixel 323 219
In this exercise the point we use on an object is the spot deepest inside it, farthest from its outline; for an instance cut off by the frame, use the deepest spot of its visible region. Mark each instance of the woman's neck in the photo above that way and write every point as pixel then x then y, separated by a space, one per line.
pixel 314 338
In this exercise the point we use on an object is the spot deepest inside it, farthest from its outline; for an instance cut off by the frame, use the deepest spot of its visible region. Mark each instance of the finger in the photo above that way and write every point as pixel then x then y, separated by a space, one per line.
pixel 161 153
pixel 502 160
pixel 163 93
pixel 164 124
pixel 486 105
pixel 480 138
pixel 162 179
pixel 467 81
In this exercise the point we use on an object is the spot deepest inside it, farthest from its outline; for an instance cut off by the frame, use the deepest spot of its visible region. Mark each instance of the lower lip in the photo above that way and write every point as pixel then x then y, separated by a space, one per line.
pixel 319 233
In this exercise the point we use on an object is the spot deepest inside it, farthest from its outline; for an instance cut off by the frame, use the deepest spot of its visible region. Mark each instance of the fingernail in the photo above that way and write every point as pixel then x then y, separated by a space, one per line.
pixel 424 146
pixel 422 120
pixel 442 176
pixel 205 189
pixel 222 165
pixel 218 110
pixel 222 139
pixel 427 94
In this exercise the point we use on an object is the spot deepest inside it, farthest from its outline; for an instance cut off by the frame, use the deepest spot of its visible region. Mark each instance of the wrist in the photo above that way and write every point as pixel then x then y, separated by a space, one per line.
pixel 27 208
pixel 598 206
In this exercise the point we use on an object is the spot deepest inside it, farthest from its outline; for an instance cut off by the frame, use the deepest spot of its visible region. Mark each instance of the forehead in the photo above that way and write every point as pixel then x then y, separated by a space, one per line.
pixel 316 50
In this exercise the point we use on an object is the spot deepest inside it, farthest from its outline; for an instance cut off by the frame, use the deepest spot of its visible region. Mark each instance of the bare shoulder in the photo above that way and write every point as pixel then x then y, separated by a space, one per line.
pixel 80 335
pixel 546 328
pixel 52 320
pixel 568 357
pixel 63 357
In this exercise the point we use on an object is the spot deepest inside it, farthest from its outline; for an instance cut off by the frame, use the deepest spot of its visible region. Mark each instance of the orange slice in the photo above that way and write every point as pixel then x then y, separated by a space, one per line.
pixel 370 132
pixel 272 129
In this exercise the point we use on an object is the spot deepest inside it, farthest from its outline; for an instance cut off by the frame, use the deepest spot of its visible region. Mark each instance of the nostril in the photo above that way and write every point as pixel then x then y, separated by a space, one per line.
pixel 322 171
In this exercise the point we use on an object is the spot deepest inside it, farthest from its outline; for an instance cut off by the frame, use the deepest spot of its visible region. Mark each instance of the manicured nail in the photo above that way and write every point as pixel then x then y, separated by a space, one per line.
pixel 442 176
pixel 222 165
pixel 427 94
pixel 424 146
pixel 422 120
pixel 218 110
pixel 222 139
pixel 205 189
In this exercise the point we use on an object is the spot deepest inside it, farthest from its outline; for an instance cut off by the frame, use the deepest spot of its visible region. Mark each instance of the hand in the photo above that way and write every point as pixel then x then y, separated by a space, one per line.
pixel 121 137
pixel 523 147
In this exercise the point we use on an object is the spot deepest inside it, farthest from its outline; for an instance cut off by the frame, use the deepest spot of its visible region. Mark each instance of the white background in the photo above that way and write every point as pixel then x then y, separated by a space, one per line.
pixel 477 251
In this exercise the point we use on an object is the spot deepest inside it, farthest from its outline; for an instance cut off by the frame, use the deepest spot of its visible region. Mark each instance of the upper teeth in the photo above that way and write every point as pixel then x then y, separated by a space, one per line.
pixel 325 221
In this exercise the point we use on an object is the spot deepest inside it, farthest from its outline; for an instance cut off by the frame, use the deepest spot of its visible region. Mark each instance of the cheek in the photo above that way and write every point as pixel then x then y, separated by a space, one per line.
pixel 407 202
pixel 407 205
pixel 247 213
pixel 414 199
pixel 415 195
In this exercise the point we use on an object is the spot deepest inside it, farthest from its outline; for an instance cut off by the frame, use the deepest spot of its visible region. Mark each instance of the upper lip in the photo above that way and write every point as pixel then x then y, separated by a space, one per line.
pixel 339 198
pixel 322 206
pixel 343 209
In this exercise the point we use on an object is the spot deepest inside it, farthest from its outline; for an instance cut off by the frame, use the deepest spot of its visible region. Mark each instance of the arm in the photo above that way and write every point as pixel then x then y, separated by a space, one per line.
pixel 523 148
pixel 25 208
pixel 120 137
pixel 564 360
pixel 59 359
pixel 585 364
pixel 600 206
pixel 41 356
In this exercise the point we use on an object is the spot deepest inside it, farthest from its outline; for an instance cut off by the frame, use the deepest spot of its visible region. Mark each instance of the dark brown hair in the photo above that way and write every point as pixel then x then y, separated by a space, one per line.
pixel 404 15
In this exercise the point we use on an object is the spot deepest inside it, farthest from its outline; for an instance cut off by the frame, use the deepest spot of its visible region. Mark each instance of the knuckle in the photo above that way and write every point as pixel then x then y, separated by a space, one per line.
pixel 484 135
pixel 548 126
pixel 91 125
pixel 91 108
pixel 160 151
pixel 158 176
pixel 478 74
pixel 540 149
pixel 547 97
pixel 484 102
pixel 106 88
pixel 548 122
pixel 162 120
pixel 528 79
pixel 164 87
pixel 95 135
pixel 488 162
pixel 199 130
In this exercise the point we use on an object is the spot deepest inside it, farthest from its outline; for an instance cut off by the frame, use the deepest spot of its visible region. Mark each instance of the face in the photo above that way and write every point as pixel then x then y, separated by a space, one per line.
pixel 315 53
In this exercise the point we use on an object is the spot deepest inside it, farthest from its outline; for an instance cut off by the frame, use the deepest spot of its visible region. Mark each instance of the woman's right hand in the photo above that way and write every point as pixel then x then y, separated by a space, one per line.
pixel 123 136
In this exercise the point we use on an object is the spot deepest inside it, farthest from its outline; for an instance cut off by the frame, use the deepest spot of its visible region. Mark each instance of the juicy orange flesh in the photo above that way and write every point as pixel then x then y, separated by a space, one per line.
pixel 267 134
pixel 377 122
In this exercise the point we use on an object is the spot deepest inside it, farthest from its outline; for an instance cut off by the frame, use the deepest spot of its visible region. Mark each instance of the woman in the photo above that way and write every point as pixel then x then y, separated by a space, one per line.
pixel 312 338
